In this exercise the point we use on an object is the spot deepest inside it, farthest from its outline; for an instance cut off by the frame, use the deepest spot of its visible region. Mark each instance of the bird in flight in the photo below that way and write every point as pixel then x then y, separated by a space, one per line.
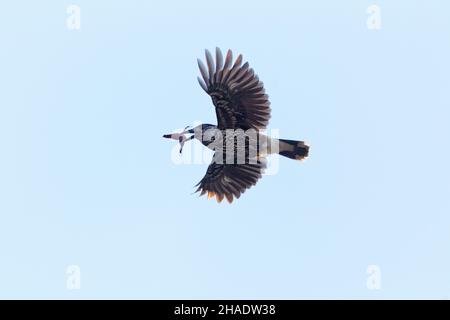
pixel 243 111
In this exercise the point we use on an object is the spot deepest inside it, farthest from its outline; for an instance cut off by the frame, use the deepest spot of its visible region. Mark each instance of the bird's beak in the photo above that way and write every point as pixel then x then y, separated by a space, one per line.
pixel 174 136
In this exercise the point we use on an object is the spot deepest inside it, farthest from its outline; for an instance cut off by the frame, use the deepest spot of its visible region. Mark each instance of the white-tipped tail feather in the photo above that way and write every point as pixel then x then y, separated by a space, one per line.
pixel 293 149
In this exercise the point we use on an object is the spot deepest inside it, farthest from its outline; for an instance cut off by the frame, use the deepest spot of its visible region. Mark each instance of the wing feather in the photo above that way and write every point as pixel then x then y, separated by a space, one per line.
pixel 203 71
pixel 236 92
pixel 230 180
pixel 210 63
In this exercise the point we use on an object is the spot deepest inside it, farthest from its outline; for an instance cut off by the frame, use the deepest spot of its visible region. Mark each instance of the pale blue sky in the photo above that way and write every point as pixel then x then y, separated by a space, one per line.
pixel 87 180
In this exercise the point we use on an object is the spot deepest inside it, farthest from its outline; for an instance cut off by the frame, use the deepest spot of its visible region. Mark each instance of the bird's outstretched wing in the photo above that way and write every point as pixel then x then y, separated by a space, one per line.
pixel 237 93
pixel 230 180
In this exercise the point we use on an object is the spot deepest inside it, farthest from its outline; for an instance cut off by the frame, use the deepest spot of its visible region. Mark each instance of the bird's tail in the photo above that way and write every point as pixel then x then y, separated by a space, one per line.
pixel 293 149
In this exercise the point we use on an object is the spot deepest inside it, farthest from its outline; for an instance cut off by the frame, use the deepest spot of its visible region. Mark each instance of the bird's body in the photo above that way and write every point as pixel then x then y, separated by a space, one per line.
pixel 243 110
pixel 227 141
